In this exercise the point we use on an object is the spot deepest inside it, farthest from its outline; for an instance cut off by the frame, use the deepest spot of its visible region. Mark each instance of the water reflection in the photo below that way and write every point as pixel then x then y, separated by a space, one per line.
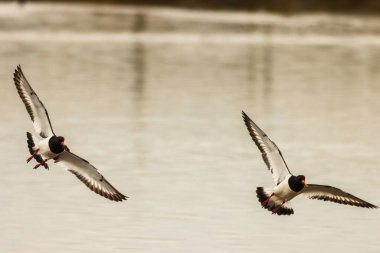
pixel 260 63
pixel 139 24
pixel 268 61
pixel 139 67
pixel 138 52
pixel 138 89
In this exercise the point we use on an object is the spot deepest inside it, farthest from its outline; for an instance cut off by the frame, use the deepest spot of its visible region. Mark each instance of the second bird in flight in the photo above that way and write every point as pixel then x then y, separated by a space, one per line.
pixel 49 146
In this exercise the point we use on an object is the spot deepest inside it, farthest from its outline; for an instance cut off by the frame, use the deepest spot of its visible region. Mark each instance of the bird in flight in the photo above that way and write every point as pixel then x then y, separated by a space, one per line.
pixel 288 186
pixel 48 146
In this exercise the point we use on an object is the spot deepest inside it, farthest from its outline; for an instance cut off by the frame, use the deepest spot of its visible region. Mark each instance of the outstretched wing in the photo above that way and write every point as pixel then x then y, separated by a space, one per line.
pixel 271 154
pixel 89 175
pixel 329 193
pixel 33 104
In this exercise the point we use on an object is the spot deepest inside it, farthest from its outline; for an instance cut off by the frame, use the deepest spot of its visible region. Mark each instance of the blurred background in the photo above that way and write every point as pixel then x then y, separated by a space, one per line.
pixel 151 93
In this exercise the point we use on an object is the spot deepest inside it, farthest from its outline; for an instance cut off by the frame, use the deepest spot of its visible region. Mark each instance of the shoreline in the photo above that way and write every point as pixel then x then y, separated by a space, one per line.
pixel 364 7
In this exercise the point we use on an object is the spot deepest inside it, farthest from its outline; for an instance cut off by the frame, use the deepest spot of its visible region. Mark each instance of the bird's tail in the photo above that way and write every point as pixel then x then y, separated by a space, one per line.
pixel 263 194
pixel 32 148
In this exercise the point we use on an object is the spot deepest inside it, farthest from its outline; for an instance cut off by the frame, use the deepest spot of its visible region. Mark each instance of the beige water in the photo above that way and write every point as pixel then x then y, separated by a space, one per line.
pixel 159 114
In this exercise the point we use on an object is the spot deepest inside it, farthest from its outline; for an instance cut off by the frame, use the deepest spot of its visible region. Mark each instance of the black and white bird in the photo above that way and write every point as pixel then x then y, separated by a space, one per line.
pixel 50 146
pixel 288 186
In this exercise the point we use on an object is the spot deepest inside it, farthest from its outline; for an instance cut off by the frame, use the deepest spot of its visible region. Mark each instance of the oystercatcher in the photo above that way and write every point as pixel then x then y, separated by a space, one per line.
pixel 49 146
pixel 288 186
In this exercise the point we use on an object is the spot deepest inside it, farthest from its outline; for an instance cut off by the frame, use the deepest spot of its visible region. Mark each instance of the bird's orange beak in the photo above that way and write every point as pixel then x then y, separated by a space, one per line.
pixel 303 183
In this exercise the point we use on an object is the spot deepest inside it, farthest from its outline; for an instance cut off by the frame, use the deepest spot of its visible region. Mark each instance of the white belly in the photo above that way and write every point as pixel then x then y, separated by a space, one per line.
pixel 43 145
pixel 283 191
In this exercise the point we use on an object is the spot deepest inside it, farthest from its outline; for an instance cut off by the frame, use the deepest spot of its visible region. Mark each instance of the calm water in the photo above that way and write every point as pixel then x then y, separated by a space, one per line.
pixel 153 98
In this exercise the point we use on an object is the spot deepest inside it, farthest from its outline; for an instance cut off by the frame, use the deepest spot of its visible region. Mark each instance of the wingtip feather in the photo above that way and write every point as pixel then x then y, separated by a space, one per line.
pixel 247 120
pixel 244 115
pixel 17 76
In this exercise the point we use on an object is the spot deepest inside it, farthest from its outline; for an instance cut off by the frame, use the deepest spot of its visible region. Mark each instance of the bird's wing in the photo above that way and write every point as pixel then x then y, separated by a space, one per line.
pixel 285 209
pixel 329 193
pixel 33 104
pixel 271 153
pixel 89 175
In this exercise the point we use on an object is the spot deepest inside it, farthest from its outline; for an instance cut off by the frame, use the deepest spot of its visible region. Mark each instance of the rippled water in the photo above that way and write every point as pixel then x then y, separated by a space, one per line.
pixel 153 98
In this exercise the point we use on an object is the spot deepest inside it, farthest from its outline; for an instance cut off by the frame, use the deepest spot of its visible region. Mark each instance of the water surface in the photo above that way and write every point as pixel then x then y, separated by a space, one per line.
pixel 158 111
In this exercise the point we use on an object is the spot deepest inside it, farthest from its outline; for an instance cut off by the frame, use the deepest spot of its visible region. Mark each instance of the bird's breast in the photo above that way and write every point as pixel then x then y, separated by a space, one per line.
pixel 44 148
pixel 283 191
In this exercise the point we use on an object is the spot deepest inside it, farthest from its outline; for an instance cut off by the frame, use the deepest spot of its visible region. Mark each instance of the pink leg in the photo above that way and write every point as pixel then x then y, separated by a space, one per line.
pixel 278 208
pixel 38 165
pixel 265 202
pixel 30 158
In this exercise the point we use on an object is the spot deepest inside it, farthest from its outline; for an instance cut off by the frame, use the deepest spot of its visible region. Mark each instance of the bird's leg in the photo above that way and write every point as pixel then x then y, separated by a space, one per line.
pixel 265 202
pixel 278 208
pixel 30 158
pixel 38 165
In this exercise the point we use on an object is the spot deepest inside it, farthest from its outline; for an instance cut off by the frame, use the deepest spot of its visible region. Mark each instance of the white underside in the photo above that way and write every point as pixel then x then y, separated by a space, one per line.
pixel 282 192
pixel 43 146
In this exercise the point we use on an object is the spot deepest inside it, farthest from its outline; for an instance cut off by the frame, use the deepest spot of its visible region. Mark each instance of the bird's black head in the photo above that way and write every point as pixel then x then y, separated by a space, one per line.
pixel 57 144
pixel 297 183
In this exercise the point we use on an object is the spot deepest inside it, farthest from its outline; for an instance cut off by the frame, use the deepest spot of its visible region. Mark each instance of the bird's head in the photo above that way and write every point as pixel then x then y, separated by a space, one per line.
pixel 297 183
pixel 57 144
